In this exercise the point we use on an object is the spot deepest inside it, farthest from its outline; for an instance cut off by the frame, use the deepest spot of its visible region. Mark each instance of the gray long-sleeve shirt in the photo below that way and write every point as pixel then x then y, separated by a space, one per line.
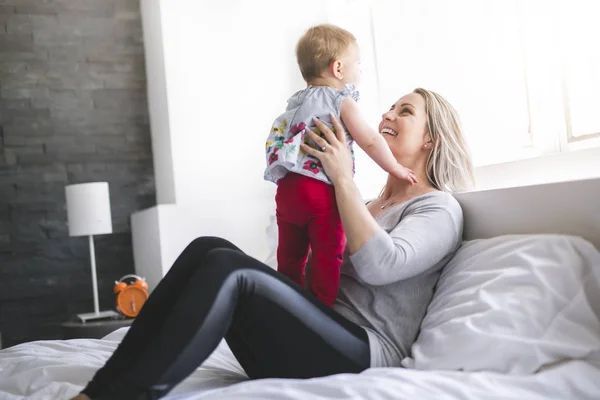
pixel 388 283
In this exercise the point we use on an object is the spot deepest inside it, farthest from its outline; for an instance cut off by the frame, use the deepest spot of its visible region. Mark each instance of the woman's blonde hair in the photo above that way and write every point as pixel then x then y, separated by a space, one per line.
pixel 449 165
pixel 319 47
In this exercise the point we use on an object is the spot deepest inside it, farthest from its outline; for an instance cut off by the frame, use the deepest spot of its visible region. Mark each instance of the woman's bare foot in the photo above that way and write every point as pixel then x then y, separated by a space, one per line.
pixel 81 396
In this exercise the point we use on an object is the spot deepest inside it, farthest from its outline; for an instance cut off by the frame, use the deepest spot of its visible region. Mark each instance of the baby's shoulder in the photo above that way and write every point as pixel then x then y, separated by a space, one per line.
pixel 349 90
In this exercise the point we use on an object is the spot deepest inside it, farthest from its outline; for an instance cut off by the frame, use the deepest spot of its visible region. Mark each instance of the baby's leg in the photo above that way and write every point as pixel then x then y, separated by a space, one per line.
pixel 292 251
pixel 293 212
pixel 327 242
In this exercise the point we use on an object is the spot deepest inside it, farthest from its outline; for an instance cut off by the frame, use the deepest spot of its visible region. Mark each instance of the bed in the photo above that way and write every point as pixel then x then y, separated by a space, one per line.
pixel 516 315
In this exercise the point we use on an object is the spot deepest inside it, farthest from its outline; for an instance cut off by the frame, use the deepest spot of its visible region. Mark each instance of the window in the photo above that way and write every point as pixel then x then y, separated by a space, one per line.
pixel 523 74
pixel 580 62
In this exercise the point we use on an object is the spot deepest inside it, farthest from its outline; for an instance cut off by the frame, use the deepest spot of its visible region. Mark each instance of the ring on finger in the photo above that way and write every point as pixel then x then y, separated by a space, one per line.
pixel 323 148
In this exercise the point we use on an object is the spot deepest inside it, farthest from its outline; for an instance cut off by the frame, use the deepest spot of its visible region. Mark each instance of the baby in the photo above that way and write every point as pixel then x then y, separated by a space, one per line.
pixel 307 215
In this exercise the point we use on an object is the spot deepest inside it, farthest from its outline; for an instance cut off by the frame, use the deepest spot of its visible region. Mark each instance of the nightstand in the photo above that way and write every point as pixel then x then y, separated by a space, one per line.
pixel 92 330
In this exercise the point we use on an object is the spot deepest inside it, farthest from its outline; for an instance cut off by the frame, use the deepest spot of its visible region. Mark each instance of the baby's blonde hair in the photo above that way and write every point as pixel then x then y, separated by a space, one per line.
pixel 449 166
pixel 319 47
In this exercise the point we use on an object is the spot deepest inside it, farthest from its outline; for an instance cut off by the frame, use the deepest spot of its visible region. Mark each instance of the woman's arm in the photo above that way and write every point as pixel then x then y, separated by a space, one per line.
pixel 359 224
pixel 372 142
pixel 430 230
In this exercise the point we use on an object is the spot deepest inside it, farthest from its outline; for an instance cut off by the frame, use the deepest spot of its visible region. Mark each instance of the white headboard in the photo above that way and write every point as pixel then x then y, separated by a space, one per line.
pixel 571 208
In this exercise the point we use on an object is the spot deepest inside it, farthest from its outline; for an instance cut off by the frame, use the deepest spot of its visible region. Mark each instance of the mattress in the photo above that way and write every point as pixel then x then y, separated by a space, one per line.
pixel 58 369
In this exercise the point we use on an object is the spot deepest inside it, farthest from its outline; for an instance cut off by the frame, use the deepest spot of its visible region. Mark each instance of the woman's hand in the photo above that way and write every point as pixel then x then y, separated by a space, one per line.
pixel 333 154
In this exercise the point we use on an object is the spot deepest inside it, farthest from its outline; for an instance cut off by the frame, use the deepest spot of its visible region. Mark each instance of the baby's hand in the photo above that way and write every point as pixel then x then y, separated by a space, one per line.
pixel 405 174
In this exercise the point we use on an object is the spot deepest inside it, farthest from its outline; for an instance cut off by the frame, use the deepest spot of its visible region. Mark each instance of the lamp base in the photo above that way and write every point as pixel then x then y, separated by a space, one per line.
pixel 100 315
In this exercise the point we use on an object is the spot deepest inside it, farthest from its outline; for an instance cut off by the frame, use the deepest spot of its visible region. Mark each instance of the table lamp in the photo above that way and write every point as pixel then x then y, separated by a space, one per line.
pixel 88 213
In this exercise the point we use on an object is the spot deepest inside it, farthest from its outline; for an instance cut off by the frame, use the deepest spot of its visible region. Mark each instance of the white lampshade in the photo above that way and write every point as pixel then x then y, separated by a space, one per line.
pixel 88 209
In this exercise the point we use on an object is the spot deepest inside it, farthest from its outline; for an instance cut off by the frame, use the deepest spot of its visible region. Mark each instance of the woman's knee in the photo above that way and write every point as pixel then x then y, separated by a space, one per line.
pixel 225 261
pixel 205 244
pixel 194 255
pixel 223 257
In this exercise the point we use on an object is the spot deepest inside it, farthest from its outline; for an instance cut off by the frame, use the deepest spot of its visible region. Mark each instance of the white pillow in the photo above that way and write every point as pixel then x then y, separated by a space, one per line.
pixel 513 304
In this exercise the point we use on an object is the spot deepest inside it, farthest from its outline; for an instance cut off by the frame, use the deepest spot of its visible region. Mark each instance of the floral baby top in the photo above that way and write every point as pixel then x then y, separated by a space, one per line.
pixel 288 132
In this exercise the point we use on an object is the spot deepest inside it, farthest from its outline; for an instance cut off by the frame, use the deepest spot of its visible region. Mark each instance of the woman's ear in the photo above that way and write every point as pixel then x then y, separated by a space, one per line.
pixel 428 143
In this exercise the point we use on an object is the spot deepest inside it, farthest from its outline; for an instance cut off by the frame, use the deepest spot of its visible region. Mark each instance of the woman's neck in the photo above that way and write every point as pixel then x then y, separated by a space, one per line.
pixel 400 190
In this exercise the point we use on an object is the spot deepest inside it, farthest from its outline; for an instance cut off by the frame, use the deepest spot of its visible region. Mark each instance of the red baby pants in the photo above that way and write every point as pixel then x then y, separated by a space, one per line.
pixel 308 218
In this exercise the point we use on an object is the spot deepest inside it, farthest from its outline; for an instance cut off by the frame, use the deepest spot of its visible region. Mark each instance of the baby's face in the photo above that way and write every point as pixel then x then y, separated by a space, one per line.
pixel 351 65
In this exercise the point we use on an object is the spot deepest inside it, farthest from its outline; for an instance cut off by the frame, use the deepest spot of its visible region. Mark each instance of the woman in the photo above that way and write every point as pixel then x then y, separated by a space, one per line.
pixel 396 248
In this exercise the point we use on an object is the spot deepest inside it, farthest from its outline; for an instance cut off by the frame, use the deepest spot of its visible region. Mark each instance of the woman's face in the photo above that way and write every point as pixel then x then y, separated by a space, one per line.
pixel 404 128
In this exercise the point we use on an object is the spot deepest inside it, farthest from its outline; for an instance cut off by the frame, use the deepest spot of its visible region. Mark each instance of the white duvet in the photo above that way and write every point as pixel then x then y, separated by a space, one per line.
pixel 59 369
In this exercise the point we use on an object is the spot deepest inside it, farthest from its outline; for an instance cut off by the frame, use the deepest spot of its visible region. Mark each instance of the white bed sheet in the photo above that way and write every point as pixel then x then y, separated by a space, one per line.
pixel 59 369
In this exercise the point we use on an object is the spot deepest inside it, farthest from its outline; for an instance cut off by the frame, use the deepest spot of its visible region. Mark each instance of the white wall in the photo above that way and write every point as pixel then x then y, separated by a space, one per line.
pixel 147 246
pixel 219 72
pixel 162 232
pixel 230 67
pixel 158 101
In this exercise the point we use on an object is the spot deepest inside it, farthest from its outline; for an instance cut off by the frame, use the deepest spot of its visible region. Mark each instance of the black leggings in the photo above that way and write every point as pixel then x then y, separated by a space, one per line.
pixel 274 328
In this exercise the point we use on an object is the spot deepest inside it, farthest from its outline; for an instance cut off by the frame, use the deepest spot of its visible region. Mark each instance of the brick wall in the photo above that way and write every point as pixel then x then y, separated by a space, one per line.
pixel 72 109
